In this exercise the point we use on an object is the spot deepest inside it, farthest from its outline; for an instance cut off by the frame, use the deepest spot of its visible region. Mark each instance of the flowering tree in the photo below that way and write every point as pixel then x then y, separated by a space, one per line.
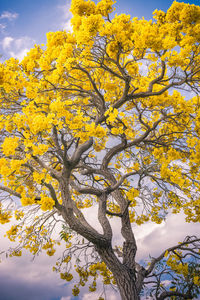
pixel 96 118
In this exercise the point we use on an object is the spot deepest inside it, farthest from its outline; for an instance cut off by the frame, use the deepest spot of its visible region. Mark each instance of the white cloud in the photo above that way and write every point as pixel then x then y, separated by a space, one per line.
pixel 6 42
pixel 65 10
pixel 92 296
pixel 67 26
pixel 19 54
pixel 152 239
pixel 165 282
pixel 66 298
pixel 17 47
pixel 2 27
pixel 8 15
pixel 65 16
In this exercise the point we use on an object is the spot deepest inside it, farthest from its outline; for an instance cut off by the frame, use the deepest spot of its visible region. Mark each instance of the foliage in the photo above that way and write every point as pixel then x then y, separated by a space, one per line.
pixel 98 118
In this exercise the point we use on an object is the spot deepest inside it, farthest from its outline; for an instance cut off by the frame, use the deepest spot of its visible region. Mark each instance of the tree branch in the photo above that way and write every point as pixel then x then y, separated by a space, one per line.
pixel 178 246
pixel 107 230
pixel 10 191
pixel 166 294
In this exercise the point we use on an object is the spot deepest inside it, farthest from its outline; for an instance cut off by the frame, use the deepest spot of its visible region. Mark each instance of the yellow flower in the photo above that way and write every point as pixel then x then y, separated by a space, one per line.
pixel 9 145
pixel 46 203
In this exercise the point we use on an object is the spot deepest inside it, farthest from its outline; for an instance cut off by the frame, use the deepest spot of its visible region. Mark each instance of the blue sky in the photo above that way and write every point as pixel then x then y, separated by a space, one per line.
pixel 22 24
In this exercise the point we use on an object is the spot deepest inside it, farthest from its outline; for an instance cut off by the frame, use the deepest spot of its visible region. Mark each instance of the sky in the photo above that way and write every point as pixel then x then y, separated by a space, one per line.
pixel 24 23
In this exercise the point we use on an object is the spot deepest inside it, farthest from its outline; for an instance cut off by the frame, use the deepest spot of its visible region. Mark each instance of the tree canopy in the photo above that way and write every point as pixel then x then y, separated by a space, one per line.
pixel 107 115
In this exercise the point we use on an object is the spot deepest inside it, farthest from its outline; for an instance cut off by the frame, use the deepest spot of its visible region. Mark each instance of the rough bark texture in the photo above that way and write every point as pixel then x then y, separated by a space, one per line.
pixel 127 287
pixel 124 276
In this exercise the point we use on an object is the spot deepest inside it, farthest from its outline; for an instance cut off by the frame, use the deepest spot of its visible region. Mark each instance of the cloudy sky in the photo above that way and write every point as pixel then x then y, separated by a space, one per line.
pixel 22 24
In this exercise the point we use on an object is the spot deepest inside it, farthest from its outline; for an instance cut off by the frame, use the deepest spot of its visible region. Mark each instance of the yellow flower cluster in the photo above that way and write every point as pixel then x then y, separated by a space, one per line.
pixel 111 115
pixel 175 264
pixel 66 276
pixel 19 214
pixel 32 244
pixel 132 194
pixel 103 271
pixel 46 203
pixel 26 200
pixel 75 291
pixel 5 216
pixel 12 232
pixel 9 145
pixel 49 246
pixel 15 253
pixel 39 149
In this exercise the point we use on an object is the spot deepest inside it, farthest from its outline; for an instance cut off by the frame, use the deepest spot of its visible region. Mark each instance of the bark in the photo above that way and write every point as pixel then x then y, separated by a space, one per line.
pixel 127 287
pixel 124 276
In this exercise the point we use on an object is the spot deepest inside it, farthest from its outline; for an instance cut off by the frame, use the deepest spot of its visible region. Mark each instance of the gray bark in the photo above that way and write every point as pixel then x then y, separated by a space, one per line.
pixel 124 276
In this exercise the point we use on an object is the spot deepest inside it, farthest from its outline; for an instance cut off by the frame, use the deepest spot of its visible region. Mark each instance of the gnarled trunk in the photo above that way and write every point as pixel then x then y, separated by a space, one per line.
pixel 124 277
pixel 126 285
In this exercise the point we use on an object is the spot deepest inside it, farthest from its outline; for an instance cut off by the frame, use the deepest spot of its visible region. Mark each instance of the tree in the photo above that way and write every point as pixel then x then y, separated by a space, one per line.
pixel 106 116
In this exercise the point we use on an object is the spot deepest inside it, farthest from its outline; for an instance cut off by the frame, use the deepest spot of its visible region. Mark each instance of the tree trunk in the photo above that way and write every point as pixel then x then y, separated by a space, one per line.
pixel 126 286
pixel 124 277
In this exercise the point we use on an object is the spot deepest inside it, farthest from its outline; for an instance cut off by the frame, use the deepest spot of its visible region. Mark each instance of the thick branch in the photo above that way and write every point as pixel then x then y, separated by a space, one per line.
pixel 83 229
pixel 75 219
pixel 79 151
pixel 10 191
pixel 107 230
pixel 159 78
